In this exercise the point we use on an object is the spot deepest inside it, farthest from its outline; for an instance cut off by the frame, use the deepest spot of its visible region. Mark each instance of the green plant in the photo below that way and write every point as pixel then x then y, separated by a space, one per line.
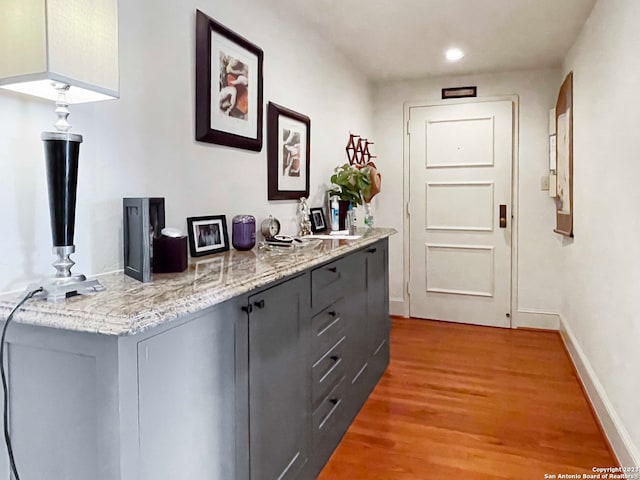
pixel 351 183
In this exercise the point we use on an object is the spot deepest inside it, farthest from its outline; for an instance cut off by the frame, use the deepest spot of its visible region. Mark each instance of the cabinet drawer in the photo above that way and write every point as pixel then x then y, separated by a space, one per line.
pixel 327 328
pixel 327 371
pixel 329 411
pixel 327 283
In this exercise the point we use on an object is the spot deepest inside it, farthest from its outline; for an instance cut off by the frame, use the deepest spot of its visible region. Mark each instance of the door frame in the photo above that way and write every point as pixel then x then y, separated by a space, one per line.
pixel 515 175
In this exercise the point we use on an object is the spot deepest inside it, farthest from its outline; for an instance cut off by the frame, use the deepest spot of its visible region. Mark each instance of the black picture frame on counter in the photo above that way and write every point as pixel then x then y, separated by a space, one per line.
pixel 207 235
pixel 229 91
pixel 143 220
pixel 288 153
pixel 318 222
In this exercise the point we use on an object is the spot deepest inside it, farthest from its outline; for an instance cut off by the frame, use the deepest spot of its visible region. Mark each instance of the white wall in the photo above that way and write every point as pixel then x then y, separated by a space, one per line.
pixel 143 144
pixel 601 299
pixel 538 246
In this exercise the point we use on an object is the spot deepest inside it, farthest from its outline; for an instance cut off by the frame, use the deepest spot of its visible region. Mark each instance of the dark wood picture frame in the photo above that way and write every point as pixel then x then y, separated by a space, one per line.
pixel 459 92
pixel 206 86
pixel 276 147
pixel 564 147
pixel 219 241
pixel 318 220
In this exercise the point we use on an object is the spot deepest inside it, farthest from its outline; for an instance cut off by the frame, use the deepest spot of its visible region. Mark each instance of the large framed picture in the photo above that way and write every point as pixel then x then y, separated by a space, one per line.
pixel 228 87
pixel 564 158
pixel 207 235
pixel 288 149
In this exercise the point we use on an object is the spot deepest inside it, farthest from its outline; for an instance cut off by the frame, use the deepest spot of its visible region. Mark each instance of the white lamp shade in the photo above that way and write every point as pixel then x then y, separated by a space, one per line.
pixel 69 41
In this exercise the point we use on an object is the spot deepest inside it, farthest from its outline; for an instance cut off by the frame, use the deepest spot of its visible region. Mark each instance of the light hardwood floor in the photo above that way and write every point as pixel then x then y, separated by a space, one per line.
pixel 467 402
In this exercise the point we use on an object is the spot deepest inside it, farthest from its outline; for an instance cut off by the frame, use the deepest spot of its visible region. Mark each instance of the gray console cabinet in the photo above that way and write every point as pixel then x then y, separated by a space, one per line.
pixel 262 386
pixel 279 380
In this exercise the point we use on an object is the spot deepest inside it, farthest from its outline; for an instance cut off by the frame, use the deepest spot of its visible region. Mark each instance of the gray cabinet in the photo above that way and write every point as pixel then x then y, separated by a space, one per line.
pixel 350 348
pixel 378 307
pixel 260 387
pixel 279 380
pixel 192 399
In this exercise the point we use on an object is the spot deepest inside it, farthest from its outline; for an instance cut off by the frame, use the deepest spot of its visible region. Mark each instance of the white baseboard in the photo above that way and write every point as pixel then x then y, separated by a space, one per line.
pixel 398 307
pixel 536 319
pixel 616 433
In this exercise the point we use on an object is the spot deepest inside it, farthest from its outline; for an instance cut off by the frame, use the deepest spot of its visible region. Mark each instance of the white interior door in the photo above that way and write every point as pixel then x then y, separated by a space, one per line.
pixel 460 175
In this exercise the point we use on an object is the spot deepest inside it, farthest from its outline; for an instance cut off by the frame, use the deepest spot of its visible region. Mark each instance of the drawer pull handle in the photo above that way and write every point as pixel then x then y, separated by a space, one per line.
pixel 332 269
pixel 247 308
pixel 333 314
pixel 335 358
pixel 372 250
pixel 259 304
pixel 334 401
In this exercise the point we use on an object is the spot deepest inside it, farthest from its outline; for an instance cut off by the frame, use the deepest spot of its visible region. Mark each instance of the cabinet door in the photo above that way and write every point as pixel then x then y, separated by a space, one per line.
pixel 192 404
pixel 355 313
pixel 377 295
pixel 279 402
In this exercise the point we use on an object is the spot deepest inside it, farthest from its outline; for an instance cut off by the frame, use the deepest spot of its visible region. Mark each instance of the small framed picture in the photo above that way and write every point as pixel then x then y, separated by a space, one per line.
pixel 207 235
pixel 288 148
pixel 228 87
pixel 318 223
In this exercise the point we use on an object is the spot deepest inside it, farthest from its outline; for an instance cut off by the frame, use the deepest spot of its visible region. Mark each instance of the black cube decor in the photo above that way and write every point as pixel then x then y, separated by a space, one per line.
pixel 143 220
pixel 169 254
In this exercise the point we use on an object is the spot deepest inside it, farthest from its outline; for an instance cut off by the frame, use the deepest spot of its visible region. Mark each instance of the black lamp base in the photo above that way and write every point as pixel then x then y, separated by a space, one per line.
pixel 61 154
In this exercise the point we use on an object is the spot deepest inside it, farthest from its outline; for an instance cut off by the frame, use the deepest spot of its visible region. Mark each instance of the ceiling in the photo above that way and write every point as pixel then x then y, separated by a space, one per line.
pixel 407 38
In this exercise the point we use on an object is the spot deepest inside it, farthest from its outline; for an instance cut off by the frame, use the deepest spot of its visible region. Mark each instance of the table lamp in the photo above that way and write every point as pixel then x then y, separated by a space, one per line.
pixel 67 52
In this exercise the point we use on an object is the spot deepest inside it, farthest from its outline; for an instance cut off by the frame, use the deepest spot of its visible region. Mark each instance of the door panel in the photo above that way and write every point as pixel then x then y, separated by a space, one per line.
pixel 460 142
pixel 459 206
pixel 460 173
pixel 459 269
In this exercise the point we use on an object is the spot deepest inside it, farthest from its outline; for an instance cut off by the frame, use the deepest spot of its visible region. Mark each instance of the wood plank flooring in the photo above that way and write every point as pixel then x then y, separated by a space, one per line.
pixel 467 402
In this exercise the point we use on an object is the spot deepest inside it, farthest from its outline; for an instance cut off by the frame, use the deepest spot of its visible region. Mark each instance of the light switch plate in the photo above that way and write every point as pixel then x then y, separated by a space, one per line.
pixel 552 185
pixel 544 183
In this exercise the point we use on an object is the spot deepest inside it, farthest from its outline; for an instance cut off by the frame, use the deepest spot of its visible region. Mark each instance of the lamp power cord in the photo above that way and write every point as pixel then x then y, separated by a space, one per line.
pixel 5 390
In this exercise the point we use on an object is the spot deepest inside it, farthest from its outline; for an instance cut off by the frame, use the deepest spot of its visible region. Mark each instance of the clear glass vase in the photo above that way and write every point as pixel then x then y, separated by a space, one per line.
pixel 368 216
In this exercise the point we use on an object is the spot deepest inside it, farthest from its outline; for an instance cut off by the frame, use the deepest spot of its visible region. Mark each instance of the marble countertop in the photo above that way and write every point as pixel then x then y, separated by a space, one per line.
pixel 128 307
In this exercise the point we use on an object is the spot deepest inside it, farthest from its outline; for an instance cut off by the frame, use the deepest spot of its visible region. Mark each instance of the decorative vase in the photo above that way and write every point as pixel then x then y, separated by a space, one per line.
pixel 368 216
pixel 343 208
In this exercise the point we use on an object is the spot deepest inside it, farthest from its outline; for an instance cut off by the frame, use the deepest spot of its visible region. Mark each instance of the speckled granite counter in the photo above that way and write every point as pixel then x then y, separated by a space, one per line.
pixel 129 307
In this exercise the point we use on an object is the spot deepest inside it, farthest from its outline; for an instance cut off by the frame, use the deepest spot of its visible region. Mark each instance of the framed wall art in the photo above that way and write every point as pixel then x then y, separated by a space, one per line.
pixel 228 87
pixel 564 158
pixel 288 149
pixel 207 235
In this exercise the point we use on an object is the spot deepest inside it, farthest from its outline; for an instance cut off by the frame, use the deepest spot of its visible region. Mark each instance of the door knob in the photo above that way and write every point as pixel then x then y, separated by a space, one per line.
pixel 503 216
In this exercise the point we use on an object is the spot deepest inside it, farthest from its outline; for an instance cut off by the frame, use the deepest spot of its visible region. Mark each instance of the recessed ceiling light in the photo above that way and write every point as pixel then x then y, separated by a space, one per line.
pixel 454 54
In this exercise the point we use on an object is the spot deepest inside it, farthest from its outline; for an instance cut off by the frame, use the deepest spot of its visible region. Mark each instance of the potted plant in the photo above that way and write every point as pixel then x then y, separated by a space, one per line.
pixel 351 185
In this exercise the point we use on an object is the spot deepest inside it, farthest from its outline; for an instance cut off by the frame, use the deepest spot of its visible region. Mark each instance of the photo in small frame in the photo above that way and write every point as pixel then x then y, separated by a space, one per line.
pixel 207 235
pixel 318 223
